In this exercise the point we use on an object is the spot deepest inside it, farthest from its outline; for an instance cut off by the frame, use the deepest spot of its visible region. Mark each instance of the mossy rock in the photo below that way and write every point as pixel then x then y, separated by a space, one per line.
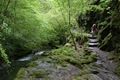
pixel 87 77
pixel 39 74
pixel 36 57
pixel 117 69
pixel 67 54
pixel 20 74
pixel 31 64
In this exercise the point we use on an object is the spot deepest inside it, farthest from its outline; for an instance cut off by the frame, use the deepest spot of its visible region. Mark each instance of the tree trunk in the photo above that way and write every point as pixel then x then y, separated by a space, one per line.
pixel 70 27
pixel 6 7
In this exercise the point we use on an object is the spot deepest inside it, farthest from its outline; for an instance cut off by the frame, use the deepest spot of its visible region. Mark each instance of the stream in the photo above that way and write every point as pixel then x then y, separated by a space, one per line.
pixel 28 57
pixel 9 73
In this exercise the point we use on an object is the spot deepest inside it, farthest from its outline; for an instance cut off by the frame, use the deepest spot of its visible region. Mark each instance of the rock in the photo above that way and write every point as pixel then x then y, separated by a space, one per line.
pixel 92 48
pixel 49 71
pixel 99 62
pixel 88 77
pixel 93 44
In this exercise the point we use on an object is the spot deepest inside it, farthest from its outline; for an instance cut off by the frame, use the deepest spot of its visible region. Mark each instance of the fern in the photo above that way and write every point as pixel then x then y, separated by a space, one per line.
pixel 4 55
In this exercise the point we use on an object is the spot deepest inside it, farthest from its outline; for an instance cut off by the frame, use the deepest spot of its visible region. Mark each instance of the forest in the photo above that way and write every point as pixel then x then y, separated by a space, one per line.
pixel 62 26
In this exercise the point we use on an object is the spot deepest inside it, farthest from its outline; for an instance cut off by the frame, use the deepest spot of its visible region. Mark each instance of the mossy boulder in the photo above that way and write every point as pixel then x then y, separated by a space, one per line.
pixel 38 74
pixel 68 54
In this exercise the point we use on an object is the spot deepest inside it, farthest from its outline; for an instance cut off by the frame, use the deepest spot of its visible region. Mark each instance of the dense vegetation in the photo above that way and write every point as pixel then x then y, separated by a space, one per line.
pixel 28 25
pixel 105 13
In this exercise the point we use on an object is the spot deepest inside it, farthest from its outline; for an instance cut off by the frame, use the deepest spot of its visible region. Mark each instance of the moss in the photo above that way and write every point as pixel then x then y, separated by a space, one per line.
pixel 84 77
pixel 63 50
pixel 92 58
pixel 86 52
pixel 117 70
pixel 69 55
pixel 81 74
pixel 74 61
pixel 87 57
pixel 31 64
pixel 39 74
pixel 19 75
pixel 64 64
pixel 36 57
pixel 48 60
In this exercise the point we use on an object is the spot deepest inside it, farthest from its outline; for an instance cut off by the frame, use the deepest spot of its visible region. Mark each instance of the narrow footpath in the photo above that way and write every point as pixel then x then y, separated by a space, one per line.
pixel 105 66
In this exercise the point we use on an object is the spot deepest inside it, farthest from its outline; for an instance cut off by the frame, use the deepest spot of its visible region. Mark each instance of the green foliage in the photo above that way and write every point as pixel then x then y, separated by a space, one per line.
pixel 106 39
pixel 110 26
pixel 4 55
pixel 80 35
pixel 27 24
pixel 25 27
pixel 105 14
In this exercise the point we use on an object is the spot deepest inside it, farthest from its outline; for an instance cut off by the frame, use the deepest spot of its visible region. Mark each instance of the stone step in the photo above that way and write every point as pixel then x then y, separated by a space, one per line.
pixel 92 36
pixel 92 48
pixel 93 40
pixel 93 44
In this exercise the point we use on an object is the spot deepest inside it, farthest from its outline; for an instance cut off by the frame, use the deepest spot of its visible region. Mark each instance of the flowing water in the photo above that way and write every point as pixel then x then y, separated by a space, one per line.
pixel 28 57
